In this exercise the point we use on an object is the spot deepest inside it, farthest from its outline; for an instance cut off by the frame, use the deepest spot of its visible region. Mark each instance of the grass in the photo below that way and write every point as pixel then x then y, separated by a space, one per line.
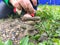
pixel 50 24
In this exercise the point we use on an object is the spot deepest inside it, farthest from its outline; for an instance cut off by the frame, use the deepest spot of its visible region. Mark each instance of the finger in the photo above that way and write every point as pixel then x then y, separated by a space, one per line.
pixel 23 4
pixel 34 2
pixel 30 7
pixel 15 4
pixel 19 7
pixel 26 4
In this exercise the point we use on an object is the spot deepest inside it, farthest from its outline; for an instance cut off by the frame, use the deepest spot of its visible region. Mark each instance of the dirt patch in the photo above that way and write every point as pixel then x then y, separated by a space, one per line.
pixel 15 29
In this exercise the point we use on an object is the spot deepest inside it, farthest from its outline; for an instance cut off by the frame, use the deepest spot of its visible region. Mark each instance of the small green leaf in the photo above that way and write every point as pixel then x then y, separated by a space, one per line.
pixel 8 42
pixel 24 41
pixel 30 43
pixel 37 36
pixel 1 42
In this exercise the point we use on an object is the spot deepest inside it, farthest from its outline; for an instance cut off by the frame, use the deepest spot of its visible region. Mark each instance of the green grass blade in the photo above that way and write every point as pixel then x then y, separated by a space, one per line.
pixel 24 41
pixel 8 42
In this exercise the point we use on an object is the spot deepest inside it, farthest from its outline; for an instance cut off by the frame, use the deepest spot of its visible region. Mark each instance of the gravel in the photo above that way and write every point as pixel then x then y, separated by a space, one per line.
pixel 15 29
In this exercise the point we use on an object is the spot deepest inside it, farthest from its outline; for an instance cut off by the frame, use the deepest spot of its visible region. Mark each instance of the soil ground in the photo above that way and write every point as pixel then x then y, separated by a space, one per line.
pixel 15 29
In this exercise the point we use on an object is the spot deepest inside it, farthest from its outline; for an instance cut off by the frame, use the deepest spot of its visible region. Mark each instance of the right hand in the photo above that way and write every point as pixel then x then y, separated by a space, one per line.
pixel 26 4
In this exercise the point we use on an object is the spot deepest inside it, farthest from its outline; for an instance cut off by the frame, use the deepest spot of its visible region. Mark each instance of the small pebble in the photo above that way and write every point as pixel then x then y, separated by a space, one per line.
pixel 4 35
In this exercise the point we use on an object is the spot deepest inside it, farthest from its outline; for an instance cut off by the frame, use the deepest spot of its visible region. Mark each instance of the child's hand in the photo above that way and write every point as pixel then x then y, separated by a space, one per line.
pixel 16 4
pixel 26 4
